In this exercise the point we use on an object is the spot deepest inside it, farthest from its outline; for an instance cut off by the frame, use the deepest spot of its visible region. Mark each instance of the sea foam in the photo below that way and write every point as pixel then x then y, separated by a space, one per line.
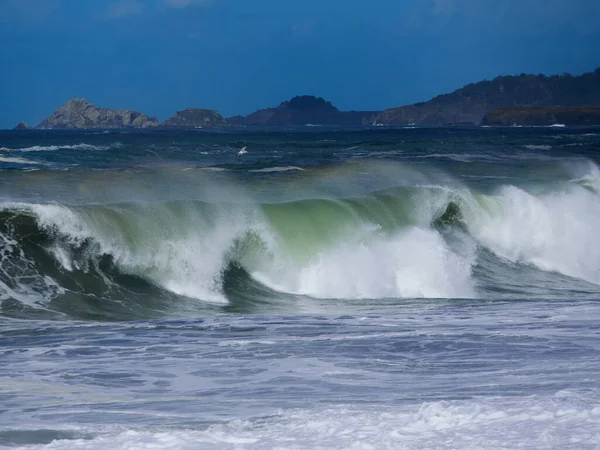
pixel 412 263
pixel 554 231
pixel 533 422
pixel 8 159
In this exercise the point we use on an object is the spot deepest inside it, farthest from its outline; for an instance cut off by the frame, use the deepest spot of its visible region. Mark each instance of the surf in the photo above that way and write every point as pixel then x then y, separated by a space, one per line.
pixel 418 239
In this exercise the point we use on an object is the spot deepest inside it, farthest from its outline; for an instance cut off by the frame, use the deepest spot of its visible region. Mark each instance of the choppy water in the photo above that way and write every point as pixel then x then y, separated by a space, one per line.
pixel 388 288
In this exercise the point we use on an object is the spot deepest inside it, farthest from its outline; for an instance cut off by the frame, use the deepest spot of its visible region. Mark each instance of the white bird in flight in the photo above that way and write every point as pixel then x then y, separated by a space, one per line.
pixel 242 151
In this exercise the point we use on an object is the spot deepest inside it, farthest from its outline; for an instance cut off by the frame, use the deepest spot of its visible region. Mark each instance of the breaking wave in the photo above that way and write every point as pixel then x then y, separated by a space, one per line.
pixel 418 241
pixel 11 160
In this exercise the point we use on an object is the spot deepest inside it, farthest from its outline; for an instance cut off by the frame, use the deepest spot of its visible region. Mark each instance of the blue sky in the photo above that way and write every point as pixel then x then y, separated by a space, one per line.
pixel 236 56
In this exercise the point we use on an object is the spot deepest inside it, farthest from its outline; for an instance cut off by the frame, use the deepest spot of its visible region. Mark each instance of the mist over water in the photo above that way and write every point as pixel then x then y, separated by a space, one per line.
pixel 422 288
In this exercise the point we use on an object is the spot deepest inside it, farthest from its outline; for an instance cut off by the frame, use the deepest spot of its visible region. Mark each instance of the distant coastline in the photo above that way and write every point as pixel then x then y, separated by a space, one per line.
pixel 506 100
pixel 568 116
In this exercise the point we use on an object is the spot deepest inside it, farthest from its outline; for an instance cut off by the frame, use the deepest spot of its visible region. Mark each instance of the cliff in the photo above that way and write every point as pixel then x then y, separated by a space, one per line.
pixel 472 102
pixel 195 117
pixel 543 116
pixel 305 110
pixel 79 113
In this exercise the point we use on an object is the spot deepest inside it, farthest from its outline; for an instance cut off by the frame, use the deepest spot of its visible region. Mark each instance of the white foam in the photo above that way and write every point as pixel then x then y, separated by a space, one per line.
pixel 555 231
pixel 26 284
pixel 414 262
pixel 8 159
pixel 214 169
pixel 554 422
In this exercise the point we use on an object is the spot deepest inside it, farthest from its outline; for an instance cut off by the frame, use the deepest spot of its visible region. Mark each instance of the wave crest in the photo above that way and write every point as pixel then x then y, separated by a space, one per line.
pixel 413 241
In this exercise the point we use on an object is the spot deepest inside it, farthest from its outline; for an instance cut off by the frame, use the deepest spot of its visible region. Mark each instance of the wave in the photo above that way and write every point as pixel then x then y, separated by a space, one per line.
pixel 538 147
pixel 8 159
pixel 554 125
pixel 551 232
pixel 321 248
pixel 50 148
pixel 277 169
pixel 416 241
pixel 536 421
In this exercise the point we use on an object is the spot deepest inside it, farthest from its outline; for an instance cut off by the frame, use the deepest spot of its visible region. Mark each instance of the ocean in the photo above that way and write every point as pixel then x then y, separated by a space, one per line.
pixel 380 288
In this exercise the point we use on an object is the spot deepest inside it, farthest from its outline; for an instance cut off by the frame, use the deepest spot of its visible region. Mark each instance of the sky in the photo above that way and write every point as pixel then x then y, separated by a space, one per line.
pixel 237 56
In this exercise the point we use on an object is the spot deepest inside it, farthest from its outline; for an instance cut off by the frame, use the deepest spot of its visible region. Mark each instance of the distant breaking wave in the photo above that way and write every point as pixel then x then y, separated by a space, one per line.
pixel 277 169
pixel 49 148
pixel 8 159
pixel 538 147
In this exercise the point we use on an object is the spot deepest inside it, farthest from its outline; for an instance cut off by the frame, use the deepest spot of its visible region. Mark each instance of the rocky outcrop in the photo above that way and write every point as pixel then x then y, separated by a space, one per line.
pixel 195 117
pixel 472 102
pixel 79 113
pixel 305 110
pixel 22 126
pixel 585 116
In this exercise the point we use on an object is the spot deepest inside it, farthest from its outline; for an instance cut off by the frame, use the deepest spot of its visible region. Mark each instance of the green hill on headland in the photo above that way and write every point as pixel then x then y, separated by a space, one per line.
pixel 471 103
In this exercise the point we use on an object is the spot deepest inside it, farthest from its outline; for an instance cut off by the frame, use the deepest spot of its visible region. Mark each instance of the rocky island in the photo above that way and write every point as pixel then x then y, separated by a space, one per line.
pixel 195 117
pixel 79 113
pixel 304 110
pixel 21 126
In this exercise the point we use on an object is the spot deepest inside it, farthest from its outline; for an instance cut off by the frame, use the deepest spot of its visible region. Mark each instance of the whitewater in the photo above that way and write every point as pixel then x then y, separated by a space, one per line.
pixel 330 288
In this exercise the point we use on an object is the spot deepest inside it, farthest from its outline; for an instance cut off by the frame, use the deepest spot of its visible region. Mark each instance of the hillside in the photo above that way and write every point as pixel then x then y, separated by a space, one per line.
pixel 195 117
pixel 304 110
pixel 588 116
pixel 471 103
